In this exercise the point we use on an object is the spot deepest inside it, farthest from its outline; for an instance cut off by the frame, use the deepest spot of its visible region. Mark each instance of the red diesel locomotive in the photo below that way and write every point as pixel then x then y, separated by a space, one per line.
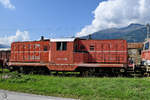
pixel 71 54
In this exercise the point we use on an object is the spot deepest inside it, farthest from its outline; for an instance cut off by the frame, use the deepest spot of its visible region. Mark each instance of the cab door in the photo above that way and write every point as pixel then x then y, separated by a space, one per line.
pixel 44 52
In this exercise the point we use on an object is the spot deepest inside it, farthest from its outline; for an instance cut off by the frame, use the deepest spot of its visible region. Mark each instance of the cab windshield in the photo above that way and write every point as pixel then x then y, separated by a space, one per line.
pixel 146 46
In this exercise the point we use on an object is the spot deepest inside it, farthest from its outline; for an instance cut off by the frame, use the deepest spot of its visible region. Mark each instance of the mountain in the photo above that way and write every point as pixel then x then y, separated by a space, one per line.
pixel 131 33
pixel 4 46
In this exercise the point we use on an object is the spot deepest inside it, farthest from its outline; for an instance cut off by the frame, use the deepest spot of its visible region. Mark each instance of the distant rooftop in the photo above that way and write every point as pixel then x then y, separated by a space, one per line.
pixel 135 45
pixel 5 49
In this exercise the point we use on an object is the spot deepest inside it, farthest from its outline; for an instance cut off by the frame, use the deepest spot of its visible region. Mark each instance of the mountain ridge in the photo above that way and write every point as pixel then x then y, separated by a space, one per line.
pixel 132 33
pixel 4 46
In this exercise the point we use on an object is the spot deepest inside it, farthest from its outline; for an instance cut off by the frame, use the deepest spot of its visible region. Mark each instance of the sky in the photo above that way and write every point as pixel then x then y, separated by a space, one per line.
pixel 22 20
pixel 48 18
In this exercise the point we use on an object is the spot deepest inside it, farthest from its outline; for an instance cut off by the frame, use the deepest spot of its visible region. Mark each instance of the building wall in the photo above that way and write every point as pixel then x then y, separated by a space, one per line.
pixel 134 52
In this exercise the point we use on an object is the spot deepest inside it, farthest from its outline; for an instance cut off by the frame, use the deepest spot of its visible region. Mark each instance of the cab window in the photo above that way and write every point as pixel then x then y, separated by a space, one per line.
pixel 45 48
pixel 92 47
pixel 61 46
pixel 147 46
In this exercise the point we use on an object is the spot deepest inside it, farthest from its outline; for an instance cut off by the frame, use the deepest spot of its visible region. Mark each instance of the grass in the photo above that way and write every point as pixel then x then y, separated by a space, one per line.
pixel 4 70
pixel 82 88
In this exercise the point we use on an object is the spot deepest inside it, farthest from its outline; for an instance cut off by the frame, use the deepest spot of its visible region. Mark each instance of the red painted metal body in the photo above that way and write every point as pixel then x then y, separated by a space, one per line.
pixel 34 51
pixel 69 55
pixel 105 51
pixel 145 56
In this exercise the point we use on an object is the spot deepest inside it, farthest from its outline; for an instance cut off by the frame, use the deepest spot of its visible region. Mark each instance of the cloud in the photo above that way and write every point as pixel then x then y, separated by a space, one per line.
pixel 19 36
pixel 7 4
pixel 117 13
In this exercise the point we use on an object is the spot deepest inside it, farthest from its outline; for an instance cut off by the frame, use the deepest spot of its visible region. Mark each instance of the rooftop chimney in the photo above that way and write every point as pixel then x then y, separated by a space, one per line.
pixel 42 38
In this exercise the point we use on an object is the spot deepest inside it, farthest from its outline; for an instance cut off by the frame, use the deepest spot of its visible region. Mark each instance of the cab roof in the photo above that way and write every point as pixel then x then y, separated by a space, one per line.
pixel 62 40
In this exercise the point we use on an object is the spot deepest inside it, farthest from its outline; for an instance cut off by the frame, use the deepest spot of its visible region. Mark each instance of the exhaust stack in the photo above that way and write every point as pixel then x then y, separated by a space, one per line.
pixel 42 38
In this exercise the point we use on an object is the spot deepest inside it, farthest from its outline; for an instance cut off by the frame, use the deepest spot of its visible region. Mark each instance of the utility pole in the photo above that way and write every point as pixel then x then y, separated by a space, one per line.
pixel 1 65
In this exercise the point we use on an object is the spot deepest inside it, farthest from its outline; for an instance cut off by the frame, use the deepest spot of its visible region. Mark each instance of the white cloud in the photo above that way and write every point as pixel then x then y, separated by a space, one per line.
pixel 7 4
pixel 118 13
pixel 19 36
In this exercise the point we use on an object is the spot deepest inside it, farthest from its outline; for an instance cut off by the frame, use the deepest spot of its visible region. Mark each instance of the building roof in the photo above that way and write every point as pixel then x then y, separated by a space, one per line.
pixel 62 40
pixel 135 45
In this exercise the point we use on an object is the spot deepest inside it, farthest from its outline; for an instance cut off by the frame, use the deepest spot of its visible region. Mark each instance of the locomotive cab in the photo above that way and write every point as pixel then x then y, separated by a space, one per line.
pixel 146 53
pixel 145 63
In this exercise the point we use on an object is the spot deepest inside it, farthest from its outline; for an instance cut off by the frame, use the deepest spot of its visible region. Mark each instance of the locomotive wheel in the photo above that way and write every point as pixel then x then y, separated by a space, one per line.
pixel 122 70
pixel 88 73
pixel 11 69
pixel 84 73
pixel 21 70
pixel 91 72
pixel 146 74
